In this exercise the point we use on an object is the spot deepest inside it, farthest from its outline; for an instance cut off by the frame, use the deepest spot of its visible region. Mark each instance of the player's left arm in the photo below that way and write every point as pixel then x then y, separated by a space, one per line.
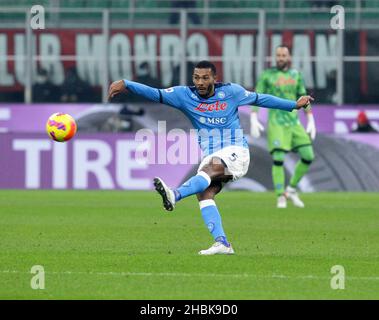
pixel 273 102
pixel 269 101
pixel 311 125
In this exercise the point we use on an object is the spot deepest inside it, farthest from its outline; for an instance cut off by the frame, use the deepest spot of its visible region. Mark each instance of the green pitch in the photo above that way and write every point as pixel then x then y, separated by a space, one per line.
pixel 123 245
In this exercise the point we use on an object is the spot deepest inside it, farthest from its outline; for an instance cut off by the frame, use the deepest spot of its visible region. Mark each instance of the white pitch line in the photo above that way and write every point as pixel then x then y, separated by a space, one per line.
pixel 207 275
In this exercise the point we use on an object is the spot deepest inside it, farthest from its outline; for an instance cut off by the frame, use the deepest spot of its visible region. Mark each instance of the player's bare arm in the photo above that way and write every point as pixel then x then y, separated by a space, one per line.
pixel 116 88
pixel 303 102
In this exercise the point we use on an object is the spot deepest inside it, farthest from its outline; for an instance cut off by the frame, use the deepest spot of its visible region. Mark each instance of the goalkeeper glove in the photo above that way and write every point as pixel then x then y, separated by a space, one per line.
pixel 311 126
pixel 255 126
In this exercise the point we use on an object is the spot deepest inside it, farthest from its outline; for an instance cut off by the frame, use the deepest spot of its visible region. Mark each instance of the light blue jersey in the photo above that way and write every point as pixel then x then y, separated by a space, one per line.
pixel 216 118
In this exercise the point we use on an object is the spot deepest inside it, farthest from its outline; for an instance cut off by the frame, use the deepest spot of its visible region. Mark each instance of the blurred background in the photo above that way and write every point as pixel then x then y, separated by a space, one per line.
pixel 86 44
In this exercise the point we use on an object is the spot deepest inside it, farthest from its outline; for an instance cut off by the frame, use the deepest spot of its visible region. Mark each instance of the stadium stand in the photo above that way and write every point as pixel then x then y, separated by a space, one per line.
pixel 264 4
pixel 274 9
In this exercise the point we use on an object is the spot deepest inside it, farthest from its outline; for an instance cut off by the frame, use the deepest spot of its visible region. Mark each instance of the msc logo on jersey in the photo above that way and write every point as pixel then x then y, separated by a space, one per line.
pixel 212 120
pixel 217 106
pixel 169 90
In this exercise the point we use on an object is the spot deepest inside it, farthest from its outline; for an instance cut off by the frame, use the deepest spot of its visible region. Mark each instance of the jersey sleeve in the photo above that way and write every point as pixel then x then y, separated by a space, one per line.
pixel 142 90
pixel 243 96
pixel 273 102
pixel 173 96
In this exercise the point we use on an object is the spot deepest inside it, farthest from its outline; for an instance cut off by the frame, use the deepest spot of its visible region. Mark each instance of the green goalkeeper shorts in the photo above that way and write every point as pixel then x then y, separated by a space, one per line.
pixel 287 138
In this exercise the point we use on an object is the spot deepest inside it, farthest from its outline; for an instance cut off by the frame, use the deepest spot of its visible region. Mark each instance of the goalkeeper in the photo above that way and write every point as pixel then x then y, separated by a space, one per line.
pixel 285 132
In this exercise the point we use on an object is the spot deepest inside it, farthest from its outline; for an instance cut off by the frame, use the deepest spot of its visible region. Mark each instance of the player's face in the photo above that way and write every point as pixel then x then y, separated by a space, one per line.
pixel 204 81
pixel 283 58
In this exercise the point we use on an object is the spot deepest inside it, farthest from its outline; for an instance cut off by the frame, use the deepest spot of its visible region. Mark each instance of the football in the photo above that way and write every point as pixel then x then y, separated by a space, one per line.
pixel 61 127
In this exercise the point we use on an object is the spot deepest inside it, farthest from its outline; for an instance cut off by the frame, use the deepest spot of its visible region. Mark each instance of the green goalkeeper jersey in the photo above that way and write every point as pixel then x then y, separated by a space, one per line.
pixel 287 84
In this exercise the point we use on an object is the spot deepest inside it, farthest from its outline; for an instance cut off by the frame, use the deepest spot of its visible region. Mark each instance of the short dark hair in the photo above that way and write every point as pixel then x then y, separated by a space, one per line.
pixel 284 46
pixel 205 64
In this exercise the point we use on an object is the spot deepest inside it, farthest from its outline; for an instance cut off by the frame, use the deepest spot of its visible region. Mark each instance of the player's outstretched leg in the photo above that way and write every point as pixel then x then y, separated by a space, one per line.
pixel 166 193
pixel 213 222
pixel 195 184
pixel 302 167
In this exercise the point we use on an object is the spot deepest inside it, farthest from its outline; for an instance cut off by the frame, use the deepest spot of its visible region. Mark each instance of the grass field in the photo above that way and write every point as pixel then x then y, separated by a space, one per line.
pixel 123 245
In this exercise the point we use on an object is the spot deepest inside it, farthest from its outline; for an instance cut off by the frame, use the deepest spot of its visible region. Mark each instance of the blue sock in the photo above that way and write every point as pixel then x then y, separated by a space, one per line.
pixel 192 186
pixel 212 220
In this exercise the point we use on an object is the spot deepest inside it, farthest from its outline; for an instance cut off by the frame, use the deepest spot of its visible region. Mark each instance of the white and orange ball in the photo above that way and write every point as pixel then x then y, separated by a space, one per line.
pixel 61 127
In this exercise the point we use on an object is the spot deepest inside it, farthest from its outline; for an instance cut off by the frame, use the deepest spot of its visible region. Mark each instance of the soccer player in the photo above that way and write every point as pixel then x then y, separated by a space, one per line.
pixel 285 132
pixel 212 108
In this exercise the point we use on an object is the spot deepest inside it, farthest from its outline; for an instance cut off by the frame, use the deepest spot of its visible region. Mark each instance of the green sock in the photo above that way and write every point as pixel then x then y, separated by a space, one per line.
pixel 302 167
pixel 278 175
pixel 300 170
pixel 278 179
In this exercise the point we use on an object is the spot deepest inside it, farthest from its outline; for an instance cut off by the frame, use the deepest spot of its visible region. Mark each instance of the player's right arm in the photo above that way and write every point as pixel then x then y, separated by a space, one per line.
pixel 170 96
pixel 245 97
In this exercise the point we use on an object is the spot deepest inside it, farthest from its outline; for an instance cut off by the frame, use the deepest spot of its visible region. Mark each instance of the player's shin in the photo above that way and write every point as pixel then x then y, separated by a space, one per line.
pixel 194 185
pixel 302 166
pixel 213 221
pixel 301 169
pixel 278 177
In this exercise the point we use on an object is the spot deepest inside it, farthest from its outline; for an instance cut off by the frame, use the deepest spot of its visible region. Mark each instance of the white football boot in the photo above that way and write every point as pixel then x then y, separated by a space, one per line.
pixel 217 248
pixel 282 202
pixel 292 194
pixel 166 193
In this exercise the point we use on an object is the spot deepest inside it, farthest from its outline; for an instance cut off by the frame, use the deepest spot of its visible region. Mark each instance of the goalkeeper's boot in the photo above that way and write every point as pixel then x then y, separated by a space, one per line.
pixel 166 193
pixel 217 248
pixel 292 194
pixel 281 202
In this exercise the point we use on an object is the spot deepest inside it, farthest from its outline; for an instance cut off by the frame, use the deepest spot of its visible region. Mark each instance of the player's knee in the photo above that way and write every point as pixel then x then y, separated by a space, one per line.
pixel 278 158
pixel 307 161
pixel 205 195
pixel 308 157
pixel 215 168
pixel 278 163
pixel 210 192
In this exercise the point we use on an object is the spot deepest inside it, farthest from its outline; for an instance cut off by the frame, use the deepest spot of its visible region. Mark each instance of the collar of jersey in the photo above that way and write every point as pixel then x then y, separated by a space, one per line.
pixel 217 85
